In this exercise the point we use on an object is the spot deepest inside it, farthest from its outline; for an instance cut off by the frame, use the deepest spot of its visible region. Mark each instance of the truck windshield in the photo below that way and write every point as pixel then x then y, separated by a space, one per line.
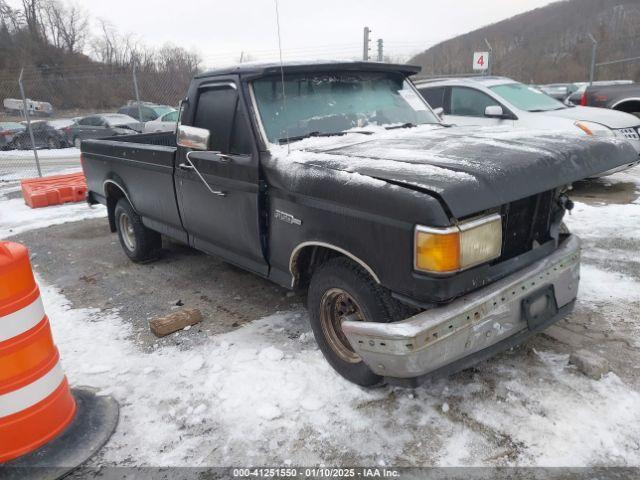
pixel 331 103
pixel 527 98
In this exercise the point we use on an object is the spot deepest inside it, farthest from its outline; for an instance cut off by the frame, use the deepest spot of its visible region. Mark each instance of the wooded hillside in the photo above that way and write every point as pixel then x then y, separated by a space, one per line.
pixel 549 44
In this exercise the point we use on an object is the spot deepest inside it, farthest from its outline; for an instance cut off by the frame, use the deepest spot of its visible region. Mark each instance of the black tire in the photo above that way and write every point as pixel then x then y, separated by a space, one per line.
pixel 52 143
pixel 374 301
pixel 138 242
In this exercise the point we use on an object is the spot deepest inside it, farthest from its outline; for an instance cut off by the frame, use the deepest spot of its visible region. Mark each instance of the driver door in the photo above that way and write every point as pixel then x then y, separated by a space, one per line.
pixel 217 188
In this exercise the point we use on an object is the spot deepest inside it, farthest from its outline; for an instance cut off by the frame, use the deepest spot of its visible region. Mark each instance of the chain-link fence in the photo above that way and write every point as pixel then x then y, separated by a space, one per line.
pixel 66 107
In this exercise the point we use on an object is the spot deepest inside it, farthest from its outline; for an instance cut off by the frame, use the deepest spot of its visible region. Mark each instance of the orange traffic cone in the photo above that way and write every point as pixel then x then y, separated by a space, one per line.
pixel 36 403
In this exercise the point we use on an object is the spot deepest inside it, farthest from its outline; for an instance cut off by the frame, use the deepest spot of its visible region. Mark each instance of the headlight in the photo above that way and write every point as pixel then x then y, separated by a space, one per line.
pixel 449 250
pixel 594 129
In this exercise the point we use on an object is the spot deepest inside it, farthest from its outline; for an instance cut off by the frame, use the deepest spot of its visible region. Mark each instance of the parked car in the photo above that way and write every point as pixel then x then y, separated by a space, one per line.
pixel 164 123
pixel 578 89
pixel 500 101
pixel 559 91
pixel 46 134
pixel 149 111
pixel 423 248
pixel 8 131
pixel 103 126
pixel 624 98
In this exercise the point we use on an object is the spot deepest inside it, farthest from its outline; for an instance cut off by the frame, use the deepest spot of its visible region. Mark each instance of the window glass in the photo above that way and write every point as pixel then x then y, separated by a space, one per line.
pixel 171 117
pixel 433 96
pixel 527 98
pixel 332 102
pixel 469 102
pixel 162 110
pixel 241 136
pixel 214 112
pixel 85 121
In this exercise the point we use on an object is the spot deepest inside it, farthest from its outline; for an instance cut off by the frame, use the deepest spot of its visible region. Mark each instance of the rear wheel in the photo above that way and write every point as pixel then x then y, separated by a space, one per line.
pixel 341 290
pixel 52 143
pixel 138 242
pixel 77 142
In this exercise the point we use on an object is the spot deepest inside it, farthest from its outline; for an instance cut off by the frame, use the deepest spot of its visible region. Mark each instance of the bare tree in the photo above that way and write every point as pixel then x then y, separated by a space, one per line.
pixel 112 48
pixel 65 27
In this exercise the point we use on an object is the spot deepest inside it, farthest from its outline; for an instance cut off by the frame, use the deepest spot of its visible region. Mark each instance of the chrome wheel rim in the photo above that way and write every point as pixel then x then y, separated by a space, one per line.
pixel 51 143
pixel 77 142
pixel 337 306
pixel 126 230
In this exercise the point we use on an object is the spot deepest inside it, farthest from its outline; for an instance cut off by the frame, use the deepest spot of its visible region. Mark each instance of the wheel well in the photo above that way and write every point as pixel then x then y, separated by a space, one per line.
pixel 113 193
pixel 630 106
pixel 306 259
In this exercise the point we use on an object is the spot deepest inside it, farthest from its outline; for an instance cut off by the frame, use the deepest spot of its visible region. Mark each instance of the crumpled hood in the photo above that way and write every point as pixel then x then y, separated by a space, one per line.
pixel 470 170
pixel 604 116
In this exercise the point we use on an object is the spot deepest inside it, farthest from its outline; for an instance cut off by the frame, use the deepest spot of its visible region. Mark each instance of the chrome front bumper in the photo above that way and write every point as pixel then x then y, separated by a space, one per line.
pixel 474 323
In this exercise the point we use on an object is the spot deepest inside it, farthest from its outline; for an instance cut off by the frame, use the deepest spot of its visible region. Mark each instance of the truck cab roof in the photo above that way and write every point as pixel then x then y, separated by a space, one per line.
pixel 260 69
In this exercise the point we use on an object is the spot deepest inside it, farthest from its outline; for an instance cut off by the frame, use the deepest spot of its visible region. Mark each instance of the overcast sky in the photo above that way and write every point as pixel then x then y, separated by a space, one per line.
pixel 220 30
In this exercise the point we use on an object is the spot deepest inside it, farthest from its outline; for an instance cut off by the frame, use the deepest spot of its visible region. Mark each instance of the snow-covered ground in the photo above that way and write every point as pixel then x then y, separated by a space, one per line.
pixel 18 164
pixel 264 395
pixel 17 217
pixel 42 153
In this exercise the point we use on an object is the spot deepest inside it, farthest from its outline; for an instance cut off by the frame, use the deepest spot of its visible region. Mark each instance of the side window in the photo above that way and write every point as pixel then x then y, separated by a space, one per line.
pixel 241 135
pixel 469 102
pixel 148 114
pixel 215 111
pixel 85 121
pixel 433 96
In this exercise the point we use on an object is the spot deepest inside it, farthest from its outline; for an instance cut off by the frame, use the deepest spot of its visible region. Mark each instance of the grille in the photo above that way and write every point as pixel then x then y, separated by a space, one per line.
pixel 524 222
pixel 628 133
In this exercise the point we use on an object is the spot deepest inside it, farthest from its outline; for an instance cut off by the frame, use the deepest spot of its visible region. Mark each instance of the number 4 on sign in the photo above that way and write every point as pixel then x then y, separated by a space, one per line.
pixel 480 60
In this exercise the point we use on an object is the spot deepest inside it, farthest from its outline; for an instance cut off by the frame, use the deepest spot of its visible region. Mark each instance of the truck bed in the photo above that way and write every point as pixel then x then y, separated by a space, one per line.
pixel 140 166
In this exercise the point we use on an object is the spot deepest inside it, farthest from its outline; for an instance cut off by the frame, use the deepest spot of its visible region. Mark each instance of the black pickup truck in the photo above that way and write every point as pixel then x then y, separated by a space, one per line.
pixel 423 247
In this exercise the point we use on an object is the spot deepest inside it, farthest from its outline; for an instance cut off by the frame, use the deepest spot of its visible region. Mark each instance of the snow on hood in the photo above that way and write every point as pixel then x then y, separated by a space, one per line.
pixel 471 170
pixel 604 116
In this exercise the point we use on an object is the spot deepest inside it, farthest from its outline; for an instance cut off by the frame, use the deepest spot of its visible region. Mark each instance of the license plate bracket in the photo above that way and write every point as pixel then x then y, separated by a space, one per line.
pixel 539 307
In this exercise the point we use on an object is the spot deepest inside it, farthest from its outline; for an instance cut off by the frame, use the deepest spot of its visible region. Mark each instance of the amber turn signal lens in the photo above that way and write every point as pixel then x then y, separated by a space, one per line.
pixel 437 252
pixel 451 249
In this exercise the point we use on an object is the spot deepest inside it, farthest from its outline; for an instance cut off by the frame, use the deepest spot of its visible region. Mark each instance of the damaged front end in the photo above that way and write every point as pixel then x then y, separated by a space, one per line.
pixel 446 339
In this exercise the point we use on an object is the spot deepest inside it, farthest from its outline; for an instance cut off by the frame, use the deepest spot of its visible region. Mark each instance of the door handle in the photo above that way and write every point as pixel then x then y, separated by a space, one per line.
pixel 184 166
pixel 222 158
pixel 218 193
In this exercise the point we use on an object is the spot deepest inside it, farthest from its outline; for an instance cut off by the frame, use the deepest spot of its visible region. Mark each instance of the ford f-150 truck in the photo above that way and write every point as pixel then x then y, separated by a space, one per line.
pixel 423 248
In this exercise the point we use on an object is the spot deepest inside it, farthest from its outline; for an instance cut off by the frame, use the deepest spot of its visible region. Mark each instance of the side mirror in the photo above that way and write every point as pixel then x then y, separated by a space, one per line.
pixel 494 111
pixel 193 137
pixel 439 112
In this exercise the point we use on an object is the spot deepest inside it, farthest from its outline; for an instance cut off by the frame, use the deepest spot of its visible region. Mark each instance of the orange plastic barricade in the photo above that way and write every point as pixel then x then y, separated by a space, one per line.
pixel 36 403
pixel 54 190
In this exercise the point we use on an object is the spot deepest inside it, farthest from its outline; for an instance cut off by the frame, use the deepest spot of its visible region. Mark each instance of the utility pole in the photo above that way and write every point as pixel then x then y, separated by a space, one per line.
pixel 380 50
pixel 366 47
pixel 490 59
pixel 28 119
pixel 594 52
pixel 136 91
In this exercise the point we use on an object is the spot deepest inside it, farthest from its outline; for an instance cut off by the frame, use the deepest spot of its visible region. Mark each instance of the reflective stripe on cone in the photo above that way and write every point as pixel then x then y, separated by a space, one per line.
pixel 16 323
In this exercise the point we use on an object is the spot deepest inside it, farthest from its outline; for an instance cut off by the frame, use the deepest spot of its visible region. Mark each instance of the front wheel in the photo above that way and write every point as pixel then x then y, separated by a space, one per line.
pixel 138 242
pixel 342 290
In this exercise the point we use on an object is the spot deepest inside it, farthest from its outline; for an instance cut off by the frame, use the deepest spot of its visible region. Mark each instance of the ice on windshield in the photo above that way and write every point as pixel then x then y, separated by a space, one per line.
pixel 334 102
pixel 527 98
